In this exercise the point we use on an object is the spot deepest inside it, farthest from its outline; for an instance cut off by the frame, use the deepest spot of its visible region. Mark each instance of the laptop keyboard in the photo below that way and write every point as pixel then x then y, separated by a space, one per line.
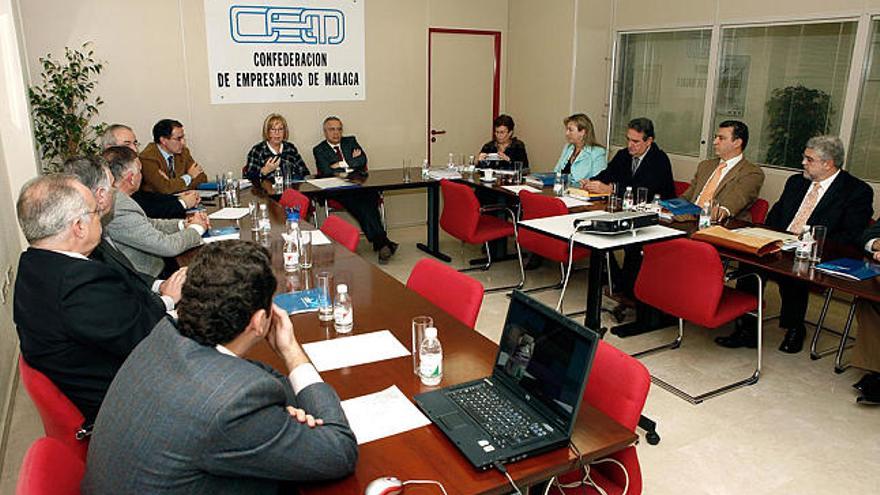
pixel 509 425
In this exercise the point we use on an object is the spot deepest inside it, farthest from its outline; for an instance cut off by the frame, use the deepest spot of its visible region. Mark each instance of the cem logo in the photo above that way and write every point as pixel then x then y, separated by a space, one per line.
pixel 290 25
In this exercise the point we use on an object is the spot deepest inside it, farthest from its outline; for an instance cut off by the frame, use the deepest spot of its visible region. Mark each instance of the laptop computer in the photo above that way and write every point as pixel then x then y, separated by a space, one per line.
pixel 530 403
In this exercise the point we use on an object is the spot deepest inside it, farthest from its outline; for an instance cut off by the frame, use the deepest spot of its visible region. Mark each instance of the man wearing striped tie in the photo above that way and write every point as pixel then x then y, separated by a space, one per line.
pixel 823 195
pixel 729 180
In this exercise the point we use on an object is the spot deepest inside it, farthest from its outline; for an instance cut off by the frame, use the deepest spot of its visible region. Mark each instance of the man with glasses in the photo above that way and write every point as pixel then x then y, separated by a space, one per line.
pixel 155 205
pixel 168 166
pixel 822 195
pixel 342 155
pixel 77 319
pixel 146 241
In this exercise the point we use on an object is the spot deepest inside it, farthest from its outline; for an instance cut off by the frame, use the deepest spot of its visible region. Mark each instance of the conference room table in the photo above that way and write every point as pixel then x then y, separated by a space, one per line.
pixel 381 302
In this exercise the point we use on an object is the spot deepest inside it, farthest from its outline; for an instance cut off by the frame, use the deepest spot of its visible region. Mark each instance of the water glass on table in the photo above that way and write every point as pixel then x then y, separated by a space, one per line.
pixel 305 252
pixel 819 234
pixel 407 167
pixel 324 282
pixel 419 324
pixel 641 198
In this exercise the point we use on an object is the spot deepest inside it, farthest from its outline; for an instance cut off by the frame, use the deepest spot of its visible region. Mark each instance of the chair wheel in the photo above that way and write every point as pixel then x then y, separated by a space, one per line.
pixel 652 437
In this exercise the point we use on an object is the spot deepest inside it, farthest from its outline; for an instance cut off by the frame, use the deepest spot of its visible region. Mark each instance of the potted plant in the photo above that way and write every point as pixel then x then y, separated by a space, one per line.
pixel 63 107
pixel 794 115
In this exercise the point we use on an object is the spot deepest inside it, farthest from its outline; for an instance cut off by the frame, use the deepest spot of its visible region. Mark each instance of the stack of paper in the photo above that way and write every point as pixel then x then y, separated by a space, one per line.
pixel 229 214
pixel 444 173
pixel 354 350
pixel 330 182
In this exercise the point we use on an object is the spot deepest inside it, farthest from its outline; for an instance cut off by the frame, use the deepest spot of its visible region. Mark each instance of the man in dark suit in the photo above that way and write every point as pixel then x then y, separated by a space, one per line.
pixel 342 155
pixel 77 319
pixel 866 352
pixel 205 420
pixel 730 180
pixel 155 205
pixel 168 166
pixel 641 164
pixel 823 195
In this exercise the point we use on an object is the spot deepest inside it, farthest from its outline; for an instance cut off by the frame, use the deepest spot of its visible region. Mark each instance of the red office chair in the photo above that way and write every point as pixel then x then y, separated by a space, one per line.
pixel 342 232
pixel 295 199
pixel 456 293
pixel 536 205
pixel 61 418
pixel 681 187
pixel 759 210
pixel 685 278
pixel 50 467
pixel 618 386
pixel 464 219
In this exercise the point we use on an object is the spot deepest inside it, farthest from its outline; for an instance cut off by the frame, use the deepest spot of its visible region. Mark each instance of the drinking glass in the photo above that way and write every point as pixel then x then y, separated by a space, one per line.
pixel 324 282
pixel 305 253
pixel 518 168
pixel 611 207
pixel 819 233
pixel 419 324
pixel 254 212
pixel 641 198
pixel 407 165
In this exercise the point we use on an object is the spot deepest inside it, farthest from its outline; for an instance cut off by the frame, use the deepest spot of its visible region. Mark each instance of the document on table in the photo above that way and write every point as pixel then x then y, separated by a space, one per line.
pixel 330 182
pixel 354 350
pixel 207 194
pixel 229 214
pixel 517 189
pixel 442 173
pixel 571 202
pixel 382 414
pixel 319 239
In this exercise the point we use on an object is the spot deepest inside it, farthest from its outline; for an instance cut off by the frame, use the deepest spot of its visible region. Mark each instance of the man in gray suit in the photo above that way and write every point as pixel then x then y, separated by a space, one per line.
pixel 145 241
pixel 187 415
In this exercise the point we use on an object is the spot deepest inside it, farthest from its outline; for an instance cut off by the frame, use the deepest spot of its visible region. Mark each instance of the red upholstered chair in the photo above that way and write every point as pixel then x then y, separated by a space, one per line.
pixel 535 205
pixel 342 232
pixel 618 386
pixel 681 187
pixel 61 418
pixel 295 199
pixel 50 467
pixel 464 219
pixel 456 293
pixel 685 278
pixel 759 210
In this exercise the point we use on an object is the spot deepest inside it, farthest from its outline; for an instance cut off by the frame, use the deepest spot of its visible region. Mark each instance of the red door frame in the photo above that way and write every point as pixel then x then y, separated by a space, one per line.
pixel 496 79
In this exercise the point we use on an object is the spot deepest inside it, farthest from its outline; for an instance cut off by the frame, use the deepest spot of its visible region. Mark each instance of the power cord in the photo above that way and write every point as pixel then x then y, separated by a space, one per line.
pixel 568 270
pixel 500 467
pixel 586 479
pixel 426 482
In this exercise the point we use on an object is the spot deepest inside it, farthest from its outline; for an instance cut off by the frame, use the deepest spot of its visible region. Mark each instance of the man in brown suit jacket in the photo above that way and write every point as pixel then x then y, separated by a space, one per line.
pixel 730 180
pixel 168 167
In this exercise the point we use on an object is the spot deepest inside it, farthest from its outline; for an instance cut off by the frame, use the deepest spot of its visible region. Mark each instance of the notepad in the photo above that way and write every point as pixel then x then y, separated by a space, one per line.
pixel 221 234
pixel 303 301
pixel 517 189
pixel 850 268
pixel 353 350
pixel 398 414
pixel 330 183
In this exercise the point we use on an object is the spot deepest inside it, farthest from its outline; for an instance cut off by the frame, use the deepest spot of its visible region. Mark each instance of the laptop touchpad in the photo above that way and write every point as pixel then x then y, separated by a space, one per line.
pixel 453 420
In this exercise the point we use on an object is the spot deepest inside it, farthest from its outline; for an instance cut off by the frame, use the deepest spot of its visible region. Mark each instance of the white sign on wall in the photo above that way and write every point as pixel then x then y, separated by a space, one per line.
pixel 285 50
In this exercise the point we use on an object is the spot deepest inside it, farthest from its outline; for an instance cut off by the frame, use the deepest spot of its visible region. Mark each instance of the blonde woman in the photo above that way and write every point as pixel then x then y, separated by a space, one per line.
pixel 274 154
pixel 583 157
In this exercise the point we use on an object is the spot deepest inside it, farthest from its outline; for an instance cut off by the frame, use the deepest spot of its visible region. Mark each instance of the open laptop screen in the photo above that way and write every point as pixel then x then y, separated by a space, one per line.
pixel 546 354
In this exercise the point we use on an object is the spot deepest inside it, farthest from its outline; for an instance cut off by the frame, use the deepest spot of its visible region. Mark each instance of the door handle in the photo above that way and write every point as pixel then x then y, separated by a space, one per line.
pixel 435 132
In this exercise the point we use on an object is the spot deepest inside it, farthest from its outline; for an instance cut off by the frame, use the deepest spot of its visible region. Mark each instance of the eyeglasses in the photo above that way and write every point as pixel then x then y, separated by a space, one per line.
pixel 276 129
pixel 88 214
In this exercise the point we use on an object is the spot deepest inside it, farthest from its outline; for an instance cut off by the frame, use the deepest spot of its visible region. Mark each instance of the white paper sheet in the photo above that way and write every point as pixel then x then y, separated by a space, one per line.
pixel 329 182
pixel 573 202
pixel 319 239
pixel 443 173
pixel 217 238
pixel 517 189
pixel 229 214
pixel 207 194
pixel 382 414
pixel 354 350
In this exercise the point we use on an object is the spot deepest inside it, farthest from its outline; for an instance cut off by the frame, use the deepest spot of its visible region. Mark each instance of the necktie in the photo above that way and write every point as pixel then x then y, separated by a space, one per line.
pixel 339 153
pixel 635 164
pixel 171 166
pixel 806 209
pixel 708 192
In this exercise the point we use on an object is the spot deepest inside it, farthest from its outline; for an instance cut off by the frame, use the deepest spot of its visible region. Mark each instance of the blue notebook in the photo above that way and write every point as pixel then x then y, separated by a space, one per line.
pixel 680 206
pixel 302 301
pixel 207 186
pixel 850 268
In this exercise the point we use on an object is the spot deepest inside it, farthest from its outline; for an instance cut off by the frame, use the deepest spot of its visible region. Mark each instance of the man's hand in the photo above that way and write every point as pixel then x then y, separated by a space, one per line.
pixel 190 198
pixel 301 416
pixel 356 153
pixel 877 254
pixel 198 218
pixel 596 187
pixel 338 165
pixel 194 170
pixel 271 165
pixel 282 340
pixel 172 286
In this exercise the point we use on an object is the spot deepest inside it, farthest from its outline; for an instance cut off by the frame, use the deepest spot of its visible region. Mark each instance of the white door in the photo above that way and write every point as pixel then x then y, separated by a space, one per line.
pixel 463 92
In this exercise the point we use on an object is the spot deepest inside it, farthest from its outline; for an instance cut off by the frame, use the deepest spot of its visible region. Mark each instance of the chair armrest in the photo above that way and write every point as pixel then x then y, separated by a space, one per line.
pixel 499 207
pixel 737 275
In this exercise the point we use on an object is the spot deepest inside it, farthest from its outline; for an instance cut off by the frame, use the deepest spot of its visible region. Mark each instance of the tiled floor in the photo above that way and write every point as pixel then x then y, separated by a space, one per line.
pixel 797 431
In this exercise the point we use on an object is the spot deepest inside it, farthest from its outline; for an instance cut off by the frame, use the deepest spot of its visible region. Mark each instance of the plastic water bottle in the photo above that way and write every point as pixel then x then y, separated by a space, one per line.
pixel 343 314
pixel 628 199
pixel 558 184
pixel 451 162
pixel 705 216
pixel 430 358
pixel 426 169
pixel 265 224
pixel 292 246
pixel 804 250
pixel 655 205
